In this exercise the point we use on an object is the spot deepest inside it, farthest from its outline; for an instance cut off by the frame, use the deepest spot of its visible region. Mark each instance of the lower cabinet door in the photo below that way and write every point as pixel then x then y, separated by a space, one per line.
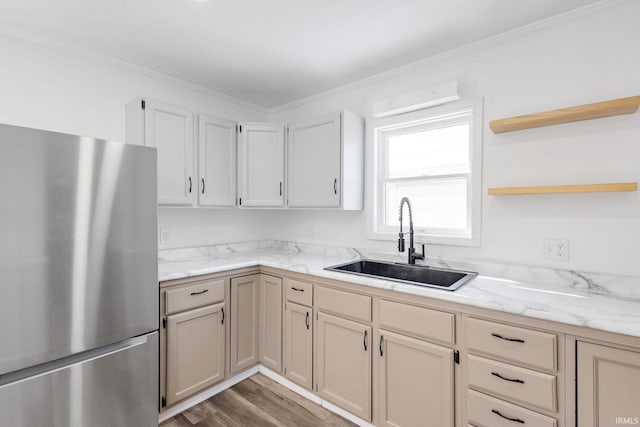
pixel 415 382
pixel 271 322
pixel 608 386
pixel 344 364
pixel 244 322
pixel 195 351
pixel 298 347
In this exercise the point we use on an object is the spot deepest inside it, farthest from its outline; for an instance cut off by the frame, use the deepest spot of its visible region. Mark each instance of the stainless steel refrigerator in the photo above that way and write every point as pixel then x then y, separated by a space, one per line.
pixel 78 281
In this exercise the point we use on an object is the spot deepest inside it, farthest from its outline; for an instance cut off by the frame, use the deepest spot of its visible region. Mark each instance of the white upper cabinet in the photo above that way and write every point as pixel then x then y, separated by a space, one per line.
pixel 326 163
pixel 217 161
pixel 261 165
pixel 170 130
pixel 314 163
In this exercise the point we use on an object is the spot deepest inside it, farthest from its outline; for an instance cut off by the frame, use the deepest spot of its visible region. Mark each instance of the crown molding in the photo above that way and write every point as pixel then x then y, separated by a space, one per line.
pixel 37 40
pixel 463 51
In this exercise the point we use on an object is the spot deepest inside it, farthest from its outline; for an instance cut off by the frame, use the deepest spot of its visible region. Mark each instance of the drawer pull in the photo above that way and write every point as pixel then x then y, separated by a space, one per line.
pixel 297 289
pixel 513 380
pixel 493 334
pixel 200 293
pixel 515 420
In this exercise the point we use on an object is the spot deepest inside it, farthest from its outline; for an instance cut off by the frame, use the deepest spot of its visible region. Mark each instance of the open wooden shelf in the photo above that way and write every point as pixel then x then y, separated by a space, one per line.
pixel 559 189
pixel 597 110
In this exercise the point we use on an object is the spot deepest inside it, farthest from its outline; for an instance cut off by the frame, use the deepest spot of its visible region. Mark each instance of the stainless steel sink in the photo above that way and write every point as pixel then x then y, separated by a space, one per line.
pixel 419 275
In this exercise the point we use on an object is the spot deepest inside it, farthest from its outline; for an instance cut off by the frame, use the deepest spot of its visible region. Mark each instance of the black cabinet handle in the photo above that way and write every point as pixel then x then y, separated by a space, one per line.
pixel 513 380
pixel 335 186
pixel 381 338
pixel 281 188
pixel 306 321
pixel 493 334
pixel 365 340
pixel 190 185
pixel 515 420
pixel 200 293
pixel 202 185
pixel 297 289
pixel 222 309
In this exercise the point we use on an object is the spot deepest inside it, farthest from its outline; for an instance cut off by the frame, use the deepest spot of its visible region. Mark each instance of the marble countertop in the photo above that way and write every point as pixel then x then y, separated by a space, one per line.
pixel 597 301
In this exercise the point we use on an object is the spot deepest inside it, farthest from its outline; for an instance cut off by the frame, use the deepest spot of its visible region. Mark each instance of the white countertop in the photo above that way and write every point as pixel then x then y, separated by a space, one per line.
pixel 565 301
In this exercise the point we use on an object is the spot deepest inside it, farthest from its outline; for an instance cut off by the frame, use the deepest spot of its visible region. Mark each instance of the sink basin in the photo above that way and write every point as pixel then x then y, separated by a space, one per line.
pixel 419 275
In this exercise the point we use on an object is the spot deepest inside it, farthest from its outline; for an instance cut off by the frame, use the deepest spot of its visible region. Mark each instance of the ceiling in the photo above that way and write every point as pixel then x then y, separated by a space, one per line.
pixel 270 52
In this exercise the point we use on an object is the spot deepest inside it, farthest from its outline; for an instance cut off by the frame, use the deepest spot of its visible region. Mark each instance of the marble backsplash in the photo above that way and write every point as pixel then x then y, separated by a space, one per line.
pixel 627 287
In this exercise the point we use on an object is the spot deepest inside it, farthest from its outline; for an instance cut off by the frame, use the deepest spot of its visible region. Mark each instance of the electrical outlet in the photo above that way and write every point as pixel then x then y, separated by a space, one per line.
pixel 309 232
pixel 556 249
pixel 164 236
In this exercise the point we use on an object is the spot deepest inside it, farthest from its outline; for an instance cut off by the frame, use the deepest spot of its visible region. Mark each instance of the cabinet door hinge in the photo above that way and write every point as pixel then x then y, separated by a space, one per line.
pixel 164 323
pixel 456 357
pixel 164 402
pixel 144 104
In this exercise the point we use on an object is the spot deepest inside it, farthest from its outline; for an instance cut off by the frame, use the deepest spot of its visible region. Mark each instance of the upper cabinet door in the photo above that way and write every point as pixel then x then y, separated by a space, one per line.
pixel 217 161
pixel 170 130
pixel 261 165
pixel 314 178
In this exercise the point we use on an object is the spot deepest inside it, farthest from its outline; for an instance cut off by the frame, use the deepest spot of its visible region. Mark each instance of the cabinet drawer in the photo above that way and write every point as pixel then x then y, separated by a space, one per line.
pixel 484 410
pixel 344 303
pixel 418 321
pixel 299 292
pixel 196 295
pixel 513 382
pixel 538 349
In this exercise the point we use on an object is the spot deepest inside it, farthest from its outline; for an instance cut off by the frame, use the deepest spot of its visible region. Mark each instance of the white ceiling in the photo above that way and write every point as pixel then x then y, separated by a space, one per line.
pixel 270 52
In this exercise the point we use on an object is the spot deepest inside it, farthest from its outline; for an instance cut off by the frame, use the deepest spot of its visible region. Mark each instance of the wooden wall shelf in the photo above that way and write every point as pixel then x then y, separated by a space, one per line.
pixel 559 189
pixel 597 110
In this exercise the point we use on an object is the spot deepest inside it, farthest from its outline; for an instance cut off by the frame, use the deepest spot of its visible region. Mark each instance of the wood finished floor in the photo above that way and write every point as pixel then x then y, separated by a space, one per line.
pixel 257 401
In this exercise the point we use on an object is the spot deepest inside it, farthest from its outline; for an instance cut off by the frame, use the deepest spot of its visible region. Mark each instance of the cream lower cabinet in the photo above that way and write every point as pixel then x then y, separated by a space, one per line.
pixel 271 322
pixel 608 386
pixel 195 351
pixel 298 348
pixel 244 316
pixel 344 364
pixel 415 382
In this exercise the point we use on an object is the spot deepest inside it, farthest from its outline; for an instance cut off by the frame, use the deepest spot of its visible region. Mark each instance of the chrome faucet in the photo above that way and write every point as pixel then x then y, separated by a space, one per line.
pixel 412 251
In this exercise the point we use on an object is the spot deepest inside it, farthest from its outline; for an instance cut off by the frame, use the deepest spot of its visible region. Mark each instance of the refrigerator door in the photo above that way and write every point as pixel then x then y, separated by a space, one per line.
pixel 114 386
pixel 78 245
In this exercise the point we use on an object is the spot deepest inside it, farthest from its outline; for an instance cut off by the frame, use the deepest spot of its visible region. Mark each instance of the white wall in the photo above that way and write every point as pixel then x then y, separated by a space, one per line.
pixel 587 59
pixel 590 58
pixel 55 88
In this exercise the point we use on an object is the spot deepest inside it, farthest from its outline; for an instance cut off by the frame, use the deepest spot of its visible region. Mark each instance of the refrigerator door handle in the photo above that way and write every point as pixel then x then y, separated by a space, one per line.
pixel 69 361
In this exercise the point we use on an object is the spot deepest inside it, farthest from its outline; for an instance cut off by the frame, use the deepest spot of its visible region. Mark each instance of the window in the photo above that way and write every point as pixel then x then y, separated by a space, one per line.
pixel 433 158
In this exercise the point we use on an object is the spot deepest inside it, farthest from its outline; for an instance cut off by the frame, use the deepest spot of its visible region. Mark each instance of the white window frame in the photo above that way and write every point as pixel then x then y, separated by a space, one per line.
pixel 430 118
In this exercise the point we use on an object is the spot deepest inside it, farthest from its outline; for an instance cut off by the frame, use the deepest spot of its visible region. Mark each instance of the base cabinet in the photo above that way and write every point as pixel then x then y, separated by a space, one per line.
pixel 344 364
pixel 608 386
pixel 298 349
pixel 195 351
pixel 271 322
pixel 244 322
pixel 415 382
